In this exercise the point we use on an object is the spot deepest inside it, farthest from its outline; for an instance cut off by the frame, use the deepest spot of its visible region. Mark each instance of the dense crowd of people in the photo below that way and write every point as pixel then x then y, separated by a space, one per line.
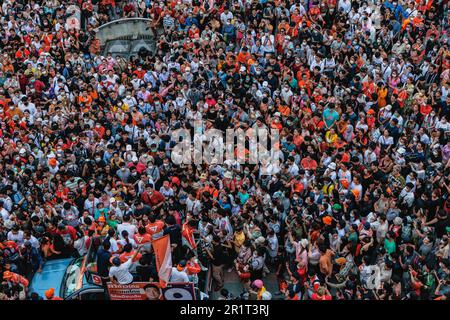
pixel 358 209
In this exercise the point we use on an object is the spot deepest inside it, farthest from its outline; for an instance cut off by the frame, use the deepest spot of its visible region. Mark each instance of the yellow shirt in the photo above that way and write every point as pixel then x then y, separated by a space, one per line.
pixel 239 239
pixel 330 138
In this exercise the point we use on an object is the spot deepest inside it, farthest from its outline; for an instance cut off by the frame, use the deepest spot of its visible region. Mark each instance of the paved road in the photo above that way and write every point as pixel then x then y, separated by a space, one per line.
pixel 233 285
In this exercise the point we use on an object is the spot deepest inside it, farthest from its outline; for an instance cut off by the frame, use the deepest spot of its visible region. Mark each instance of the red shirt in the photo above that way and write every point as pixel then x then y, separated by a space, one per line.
pixel 315 296
pixel 154 199
pixel 140 74
pixel 309 164
pixel 68 230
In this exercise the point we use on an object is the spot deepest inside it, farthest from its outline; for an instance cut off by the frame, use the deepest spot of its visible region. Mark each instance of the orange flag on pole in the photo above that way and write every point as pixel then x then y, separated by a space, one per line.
pixel 163 255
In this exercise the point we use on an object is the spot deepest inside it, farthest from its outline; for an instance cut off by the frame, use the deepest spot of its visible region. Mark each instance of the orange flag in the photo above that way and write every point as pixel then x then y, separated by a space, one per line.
pixel 163 255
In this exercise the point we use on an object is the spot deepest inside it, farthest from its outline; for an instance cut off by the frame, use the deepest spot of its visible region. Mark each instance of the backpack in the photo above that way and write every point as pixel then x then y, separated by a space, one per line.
pixel 406 233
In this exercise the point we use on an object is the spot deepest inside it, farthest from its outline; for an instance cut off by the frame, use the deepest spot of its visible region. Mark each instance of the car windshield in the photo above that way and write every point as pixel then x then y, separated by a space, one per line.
pixel 72 277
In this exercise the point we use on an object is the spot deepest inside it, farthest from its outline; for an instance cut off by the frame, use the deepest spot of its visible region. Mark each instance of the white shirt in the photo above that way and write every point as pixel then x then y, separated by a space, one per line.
pixel 224 17
pixel 123 242
pixel 34 242
pixel 193 206
pixel 122 273
pixel 91 205
pixel 346 5
pixel 80 245
pixel 273 246
pixel 131 229
pixel 178 276
pixel 114 247
pixel 4 214
pixel 18 238
pixel 369 157
pixel 293 169
pixel 407 197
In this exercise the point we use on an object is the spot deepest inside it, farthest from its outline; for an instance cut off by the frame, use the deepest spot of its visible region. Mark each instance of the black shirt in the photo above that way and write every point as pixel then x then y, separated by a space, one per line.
pixel 103 257
pixel 143 211
pixel 174 233
pixel 218 255
pixel 441 226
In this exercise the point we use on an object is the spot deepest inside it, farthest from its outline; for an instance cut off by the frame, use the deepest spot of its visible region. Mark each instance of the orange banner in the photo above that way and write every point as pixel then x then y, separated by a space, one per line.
pixel 163 255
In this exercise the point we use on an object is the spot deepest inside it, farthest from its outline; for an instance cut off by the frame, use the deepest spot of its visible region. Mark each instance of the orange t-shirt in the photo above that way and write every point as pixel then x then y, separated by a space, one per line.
pixel 142 239
pixel 155 227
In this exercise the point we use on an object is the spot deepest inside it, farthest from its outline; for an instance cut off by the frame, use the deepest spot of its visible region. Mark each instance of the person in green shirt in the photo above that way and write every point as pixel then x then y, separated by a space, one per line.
pixel 101 211
pixel 389 243
pixel 353 234
pixel 112 222
pixel 330 116
pixel 243 195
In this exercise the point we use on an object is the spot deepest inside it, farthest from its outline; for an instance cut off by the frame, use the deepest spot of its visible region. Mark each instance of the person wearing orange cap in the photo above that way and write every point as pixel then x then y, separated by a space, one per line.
pixel 50 295
pixel 53 165
pixel 102 227
pixel 52 162
pixel 345 184
pixel 327 220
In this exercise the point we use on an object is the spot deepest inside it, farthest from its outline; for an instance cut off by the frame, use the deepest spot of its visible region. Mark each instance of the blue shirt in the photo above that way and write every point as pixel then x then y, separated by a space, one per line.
pixel 330 116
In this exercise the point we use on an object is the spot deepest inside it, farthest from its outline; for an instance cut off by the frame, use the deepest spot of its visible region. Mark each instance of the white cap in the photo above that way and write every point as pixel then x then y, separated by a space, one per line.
pixel 277 114
pixel 260 240
pixel 388 107
pixel 228 175
pixel 401 150
pixel 22 151
pixel 332 166
pixel 128 147
pixel 112 200
pixel 242 69
pixel 304 243
pixel 265 84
